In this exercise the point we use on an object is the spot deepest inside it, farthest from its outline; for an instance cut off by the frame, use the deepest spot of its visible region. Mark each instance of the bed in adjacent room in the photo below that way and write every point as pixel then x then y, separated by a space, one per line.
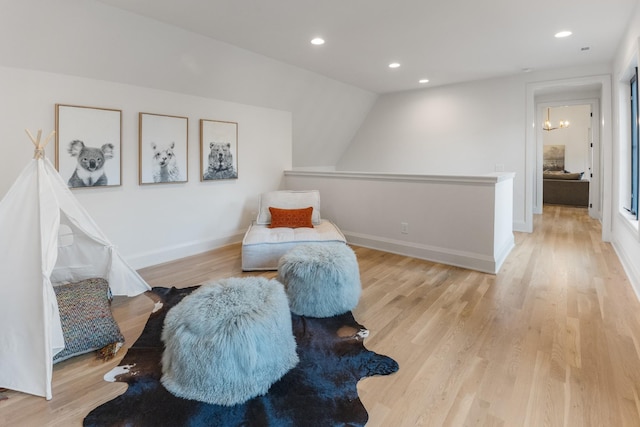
pixel 565 188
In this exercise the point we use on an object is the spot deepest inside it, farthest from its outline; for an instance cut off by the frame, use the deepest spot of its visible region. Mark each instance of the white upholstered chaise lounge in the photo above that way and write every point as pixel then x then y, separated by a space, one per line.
pixel 263 246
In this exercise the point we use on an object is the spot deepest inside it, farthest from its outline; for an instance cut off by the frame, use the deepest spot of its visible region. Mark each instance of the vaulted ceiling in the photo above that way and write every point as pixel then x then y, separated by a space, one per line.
pixel 442 41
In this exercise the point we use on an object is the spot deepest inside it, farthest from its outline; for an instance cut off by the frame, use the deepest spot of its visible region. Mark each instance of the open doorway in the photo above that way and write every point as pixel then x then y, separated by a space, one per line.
pixel 581 141
pixel 570 164
pixel 579 90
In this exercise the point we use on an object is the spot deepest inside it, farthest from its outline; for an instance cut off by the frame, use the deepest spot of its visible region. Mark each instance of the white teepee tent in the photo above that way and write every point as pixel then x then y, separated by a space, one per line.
pixel 31 214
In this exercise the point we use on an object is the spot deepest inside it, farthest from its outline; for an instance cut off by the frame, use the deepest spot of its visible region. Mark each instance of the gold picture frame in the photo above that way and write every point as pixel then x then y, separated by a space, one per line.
pixel 163 148
pixel 218 150
pixel 88 150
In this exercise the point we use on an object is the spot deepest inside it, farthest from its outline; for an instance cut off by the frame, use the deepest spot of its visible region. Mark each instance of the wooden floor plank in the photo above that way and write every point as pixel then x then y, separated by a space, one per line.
pixel 553 339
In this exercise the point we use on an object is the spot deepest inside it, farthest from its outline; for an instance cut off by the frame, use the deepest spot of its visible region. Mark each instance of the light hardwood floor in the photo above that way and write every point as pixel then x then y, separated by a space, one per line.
pixel 552 340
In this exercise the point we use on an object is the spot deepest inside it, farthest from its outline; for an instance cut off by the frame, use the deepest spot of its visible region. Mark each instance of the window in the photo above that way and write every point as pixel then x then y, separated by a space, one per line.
pixel 634 143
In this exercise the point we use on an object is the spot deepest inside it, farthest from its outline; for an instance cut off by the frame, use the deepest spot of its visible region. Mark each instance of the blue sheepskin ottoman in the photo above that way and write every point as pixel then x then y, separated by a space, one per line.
pixel 228 341
pixel 321 280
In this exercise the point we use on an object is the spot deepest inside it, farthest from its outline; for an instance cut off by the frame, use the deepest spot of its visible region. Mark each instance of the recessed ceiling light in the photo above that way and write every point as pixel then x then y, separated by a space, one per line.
pixel 562 34
pixel 317 41
pixel 394 65
pixel 422 81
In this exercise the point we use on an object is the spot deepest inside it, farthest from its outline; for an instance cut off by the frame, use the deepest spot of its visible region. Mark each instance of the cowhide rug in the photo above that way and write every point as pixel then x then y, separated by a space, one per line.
pixel 319 391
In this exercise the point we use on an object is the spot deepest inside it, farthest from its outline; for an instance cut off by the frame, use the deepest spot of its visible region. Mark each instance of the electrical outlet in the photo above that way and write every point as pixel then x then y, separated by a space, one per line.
pixel 499 167
pixel 404 228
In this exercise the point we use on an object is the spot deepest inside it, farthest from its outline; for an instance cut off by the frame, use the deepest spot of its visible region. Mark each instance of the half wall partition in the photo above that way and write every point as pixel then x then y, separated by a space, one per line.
pixel 465 221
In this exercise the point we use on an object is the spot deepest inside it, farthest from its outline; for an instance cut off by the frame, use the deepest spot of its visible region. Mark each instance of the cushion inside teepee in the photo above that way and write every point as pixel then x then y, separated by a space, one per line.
pixel 87 320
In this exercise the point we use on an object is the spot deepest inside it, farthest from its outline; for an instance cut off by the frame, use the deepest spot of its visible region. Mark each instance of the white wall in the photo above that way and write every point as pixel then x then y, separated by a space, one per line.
pixel 90 39
pixel 82 52
pixel 469 128
pixel 625 231
pixel 153 223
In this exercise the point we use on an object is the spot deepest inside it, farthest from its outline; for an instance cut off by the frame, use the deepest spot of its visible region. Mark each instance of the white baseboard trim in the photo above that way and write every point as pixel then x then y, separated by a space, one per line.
pixel 172 253
pixel 503 253
pixel 472 261
pixel 522 226
pixel 469 260
pixel 629 267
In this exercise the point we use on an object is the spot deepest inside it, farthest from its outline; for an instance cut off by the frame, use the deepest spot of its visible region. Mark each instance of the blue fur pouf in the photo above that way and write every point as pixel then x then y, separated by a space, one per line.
pixel 321 280
pixel 228 341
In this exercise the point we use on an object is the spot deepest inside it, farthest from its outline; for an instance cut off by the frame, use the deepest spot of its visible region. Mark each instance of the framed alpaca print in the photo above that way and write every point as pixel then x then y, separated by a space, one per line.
pixel 218 150
pixel 88 146
pixel 163 148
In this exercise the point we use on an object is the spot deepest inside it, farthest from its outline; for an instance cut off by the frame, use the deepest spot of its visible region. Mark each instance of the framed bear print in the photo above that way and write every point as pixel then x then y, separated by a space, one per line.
pixel 218 150
pixel 163 148
pixel 88 145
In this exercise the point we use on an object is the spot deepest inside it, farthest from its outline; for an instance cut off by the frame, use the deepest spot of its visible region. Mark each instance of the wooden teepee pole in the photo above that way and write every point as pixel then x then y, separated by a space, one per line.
pixel 39 151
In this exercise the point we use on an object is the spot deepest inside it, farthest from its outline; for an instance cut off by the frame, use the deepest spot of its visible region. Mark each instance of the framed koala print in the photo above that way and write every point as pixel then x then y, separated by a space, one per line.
pixel 88 145
pixel 163 148
pixel 218 150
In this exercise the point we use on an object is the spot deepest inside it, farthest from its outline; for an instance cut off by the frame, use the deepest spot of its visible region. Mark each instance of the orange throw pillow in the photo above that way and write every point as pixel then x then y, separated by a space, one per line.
pixel 291 218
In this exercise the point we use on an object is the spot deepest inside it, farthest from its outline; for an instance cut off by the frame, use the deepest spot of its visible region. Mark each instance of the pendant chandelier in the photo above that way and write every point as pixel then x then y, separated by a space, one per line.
pixel 547 123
